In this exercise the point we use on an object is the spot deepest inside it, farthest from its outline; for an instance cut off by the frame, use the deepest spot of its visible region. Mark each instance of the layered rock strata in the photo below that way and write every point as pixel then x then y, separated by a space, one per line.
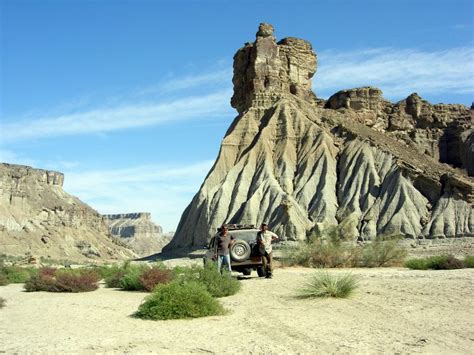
pixel 303 164
pixel 39 218
pixel 138 231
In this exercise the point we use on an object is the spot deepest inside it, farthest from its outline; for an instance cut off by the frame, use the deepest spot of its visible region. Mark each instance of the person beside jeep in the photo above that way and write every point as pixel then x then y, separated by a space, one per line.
pixel 264 241
pixel 223 243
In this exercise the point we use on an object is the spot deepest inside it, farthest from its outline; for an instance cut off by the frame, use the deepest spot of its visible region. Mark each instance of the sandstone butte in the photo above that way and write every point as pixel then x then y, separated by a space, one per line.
pixel 304 164
pixel 138 231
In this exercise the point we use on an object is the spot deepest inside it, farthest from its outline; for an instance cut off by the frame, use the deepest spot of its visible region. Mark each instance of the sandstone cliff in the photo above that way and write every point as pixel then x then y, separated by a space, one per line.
pixel 301 163
pixel 138 231
pixel 38 217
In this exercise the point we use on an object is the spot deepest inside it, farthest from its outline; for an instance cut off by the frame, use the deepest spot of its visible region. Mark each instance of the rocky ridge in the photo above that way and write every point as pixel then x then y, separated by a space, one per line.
pixel 138 231
pixel 303 164
pixel 39 218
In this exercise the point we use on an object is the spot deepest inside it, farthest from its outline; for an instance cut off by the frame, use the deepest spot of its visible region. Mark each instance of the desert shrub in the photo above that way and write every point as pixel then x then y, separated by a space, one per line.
pixel 446 262
pixel 112 274
pixel 130 281
pixel 322 253
pixel 64 280
pixel 3 278
pixel 331 250
pixel 469 261
pixel 17 274
pixel 177 300
pixel 438 262
pixel 2 302
pixel 324 284
pixel 154 276
pixel 217 284
pixel 383 252
pixel 417 264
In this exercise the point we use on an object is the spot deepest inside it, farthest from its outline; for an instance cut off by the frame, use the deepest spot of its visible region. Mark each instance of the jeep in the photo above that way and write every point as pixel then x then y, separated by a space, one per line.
pixel 244 253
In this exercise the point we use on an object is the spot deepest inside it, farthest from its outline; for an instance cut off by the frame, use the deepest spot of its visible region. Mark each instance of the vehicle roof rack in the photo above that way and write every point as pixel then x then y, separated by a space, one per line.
pixel 238 226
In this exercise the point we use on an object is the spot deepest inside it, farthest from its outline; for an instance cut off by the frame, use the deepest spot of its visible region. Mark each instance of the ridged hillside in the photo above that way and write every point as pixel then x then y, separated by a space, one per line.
pixel 38 217
pixel 301 163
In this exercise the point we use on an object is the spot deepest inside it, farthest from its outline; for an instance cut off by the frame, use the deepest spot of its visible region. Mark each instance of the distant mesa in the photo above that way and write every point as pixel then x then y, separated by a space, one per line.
pixel 138 231
pixel 303 164
pixel 37 217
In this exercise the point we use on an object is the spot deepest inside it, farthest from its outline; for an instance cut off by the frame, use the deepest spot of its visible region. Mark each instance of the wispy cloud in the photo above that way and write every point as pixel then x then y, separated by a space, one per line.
pixel 165 191
pixel 121 117
pixel 398 72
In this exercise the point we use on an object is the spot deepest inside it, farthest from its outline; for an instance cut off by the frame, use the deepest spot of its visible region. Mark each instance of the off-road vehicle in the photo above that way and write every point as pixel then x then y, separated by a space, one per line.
pixel 244 253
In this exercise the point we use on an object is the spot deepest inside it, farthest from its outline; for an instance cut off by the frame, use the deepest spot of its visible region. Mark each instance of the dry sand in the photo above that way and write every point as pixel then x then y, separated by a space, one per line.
pixel 394 311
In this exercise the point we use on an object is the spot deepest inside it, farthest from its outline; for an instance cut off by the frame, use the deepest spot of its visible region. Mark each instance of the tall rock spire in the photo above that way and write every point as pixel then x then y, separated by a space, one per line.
pixel 303 164
pixel 265 71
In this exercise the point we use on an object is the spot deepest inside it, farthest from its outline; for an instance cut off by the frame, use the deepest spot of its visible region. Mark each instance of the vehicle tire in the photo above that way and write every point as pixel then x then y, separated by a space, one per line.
pixel 247 272
pixel 261 272
pixel 240 250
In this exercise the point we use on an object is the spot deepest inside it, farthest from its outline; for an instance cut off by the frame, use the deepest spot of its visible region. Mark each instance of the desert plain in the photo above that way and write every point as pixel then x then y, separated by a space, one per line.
pixel 394 310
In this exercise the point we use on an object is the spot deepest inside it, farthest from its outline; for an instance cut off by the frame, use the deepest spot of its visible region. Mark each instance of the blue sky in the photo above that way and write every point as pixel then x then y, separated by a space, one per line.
pixel 130 99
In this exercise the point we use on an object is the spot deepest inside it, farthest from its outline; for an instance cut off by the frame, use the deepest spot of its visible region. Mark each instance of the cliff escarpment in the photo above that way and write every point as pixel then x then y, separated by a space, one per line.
pixel 39 218
pixel 303 164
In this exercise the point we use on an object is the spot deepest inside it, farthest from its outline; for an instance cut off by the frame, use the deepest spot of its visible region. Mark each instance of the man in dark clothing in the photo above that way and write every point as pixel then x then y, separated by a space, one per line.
pixel 264 240
pixel 223 242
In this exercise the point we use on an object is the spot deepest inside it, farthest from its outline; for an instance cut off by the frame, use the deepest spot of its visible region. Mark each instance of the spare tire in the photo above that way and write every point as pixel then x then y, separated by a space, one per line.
pixel 240 250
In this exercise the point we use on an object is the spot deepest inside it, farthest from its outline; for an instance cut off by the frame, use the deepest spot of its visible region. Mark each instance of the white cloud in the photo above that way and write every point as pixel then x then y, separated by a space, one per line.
pixel 121 117
pixel 165 191
pixel 398 72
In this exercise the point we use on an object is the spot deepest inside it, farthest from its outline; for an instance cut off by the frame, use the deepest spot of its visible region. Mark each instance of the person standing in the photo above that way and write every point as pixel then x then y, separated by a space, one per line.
pixel 264 240
pixel 224 241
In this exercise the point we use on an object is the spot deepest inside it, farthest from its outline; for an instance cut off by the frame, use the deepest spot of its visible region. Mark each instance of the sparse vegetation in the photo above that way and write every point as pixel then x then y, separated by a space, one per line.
pixel 383 252
pixel 216 284
pixel 331 251
pixel 324 284
pixel 179 300
pixel 130 281
pixel 469 261
pixel 2 302
pixel 155 276
pixel 438 262
pixel 63 280
pixel 16 274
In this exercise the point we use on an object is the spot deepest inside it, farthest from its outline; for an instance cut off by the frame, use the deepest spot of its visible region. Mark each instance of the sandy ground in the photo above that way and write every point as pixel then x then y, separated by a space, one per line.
pixel 393 311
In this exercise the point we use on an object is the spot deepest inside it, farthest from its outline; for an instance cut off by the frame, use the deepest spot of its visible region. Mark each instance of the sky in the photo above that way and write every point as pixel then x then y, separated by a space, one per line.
pixel 131 99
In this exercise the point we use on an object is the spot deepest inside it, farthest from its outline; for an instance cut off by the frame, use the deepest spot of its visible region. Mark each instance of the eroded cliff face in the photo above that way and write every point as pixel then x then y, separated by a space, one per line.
pixel 302 164
pixel 138 231
pixel 38 217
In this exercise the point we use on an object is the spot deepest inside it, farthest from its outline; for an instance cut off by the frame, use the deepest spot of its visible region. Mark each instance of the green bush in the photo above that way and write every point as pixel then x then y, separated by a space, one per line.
pixel 64 280
pixel 332 251
pixel 131 279
pixel 112 275
pixel 217 284
pixel 2 302
pixel 438 262
pixel 383 252
pixel 469 261
pixel 178 300
pixel 17 274
pixel 323 284
pixel 417 264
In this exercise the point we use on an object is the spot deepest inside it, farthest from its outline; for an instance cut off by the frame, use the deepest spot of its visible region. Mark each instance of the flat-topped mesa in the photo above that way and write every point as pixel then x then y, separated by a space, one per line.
pixel 137 215
pixel 265 71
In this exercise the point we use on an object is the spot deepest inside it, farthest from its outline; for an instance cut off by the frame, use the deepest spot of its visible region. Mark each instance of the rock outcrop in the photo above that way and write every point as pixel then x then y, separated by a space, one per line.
pixel 38 217
pixel 138 231
pixel 302 164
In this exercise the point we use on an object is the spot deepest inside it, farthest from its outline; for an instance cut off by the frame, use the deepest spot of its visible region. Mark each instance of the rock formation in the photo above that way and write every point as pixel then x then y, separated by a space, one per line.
pixel 302 164
pixel 138 231
pixel 38 217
